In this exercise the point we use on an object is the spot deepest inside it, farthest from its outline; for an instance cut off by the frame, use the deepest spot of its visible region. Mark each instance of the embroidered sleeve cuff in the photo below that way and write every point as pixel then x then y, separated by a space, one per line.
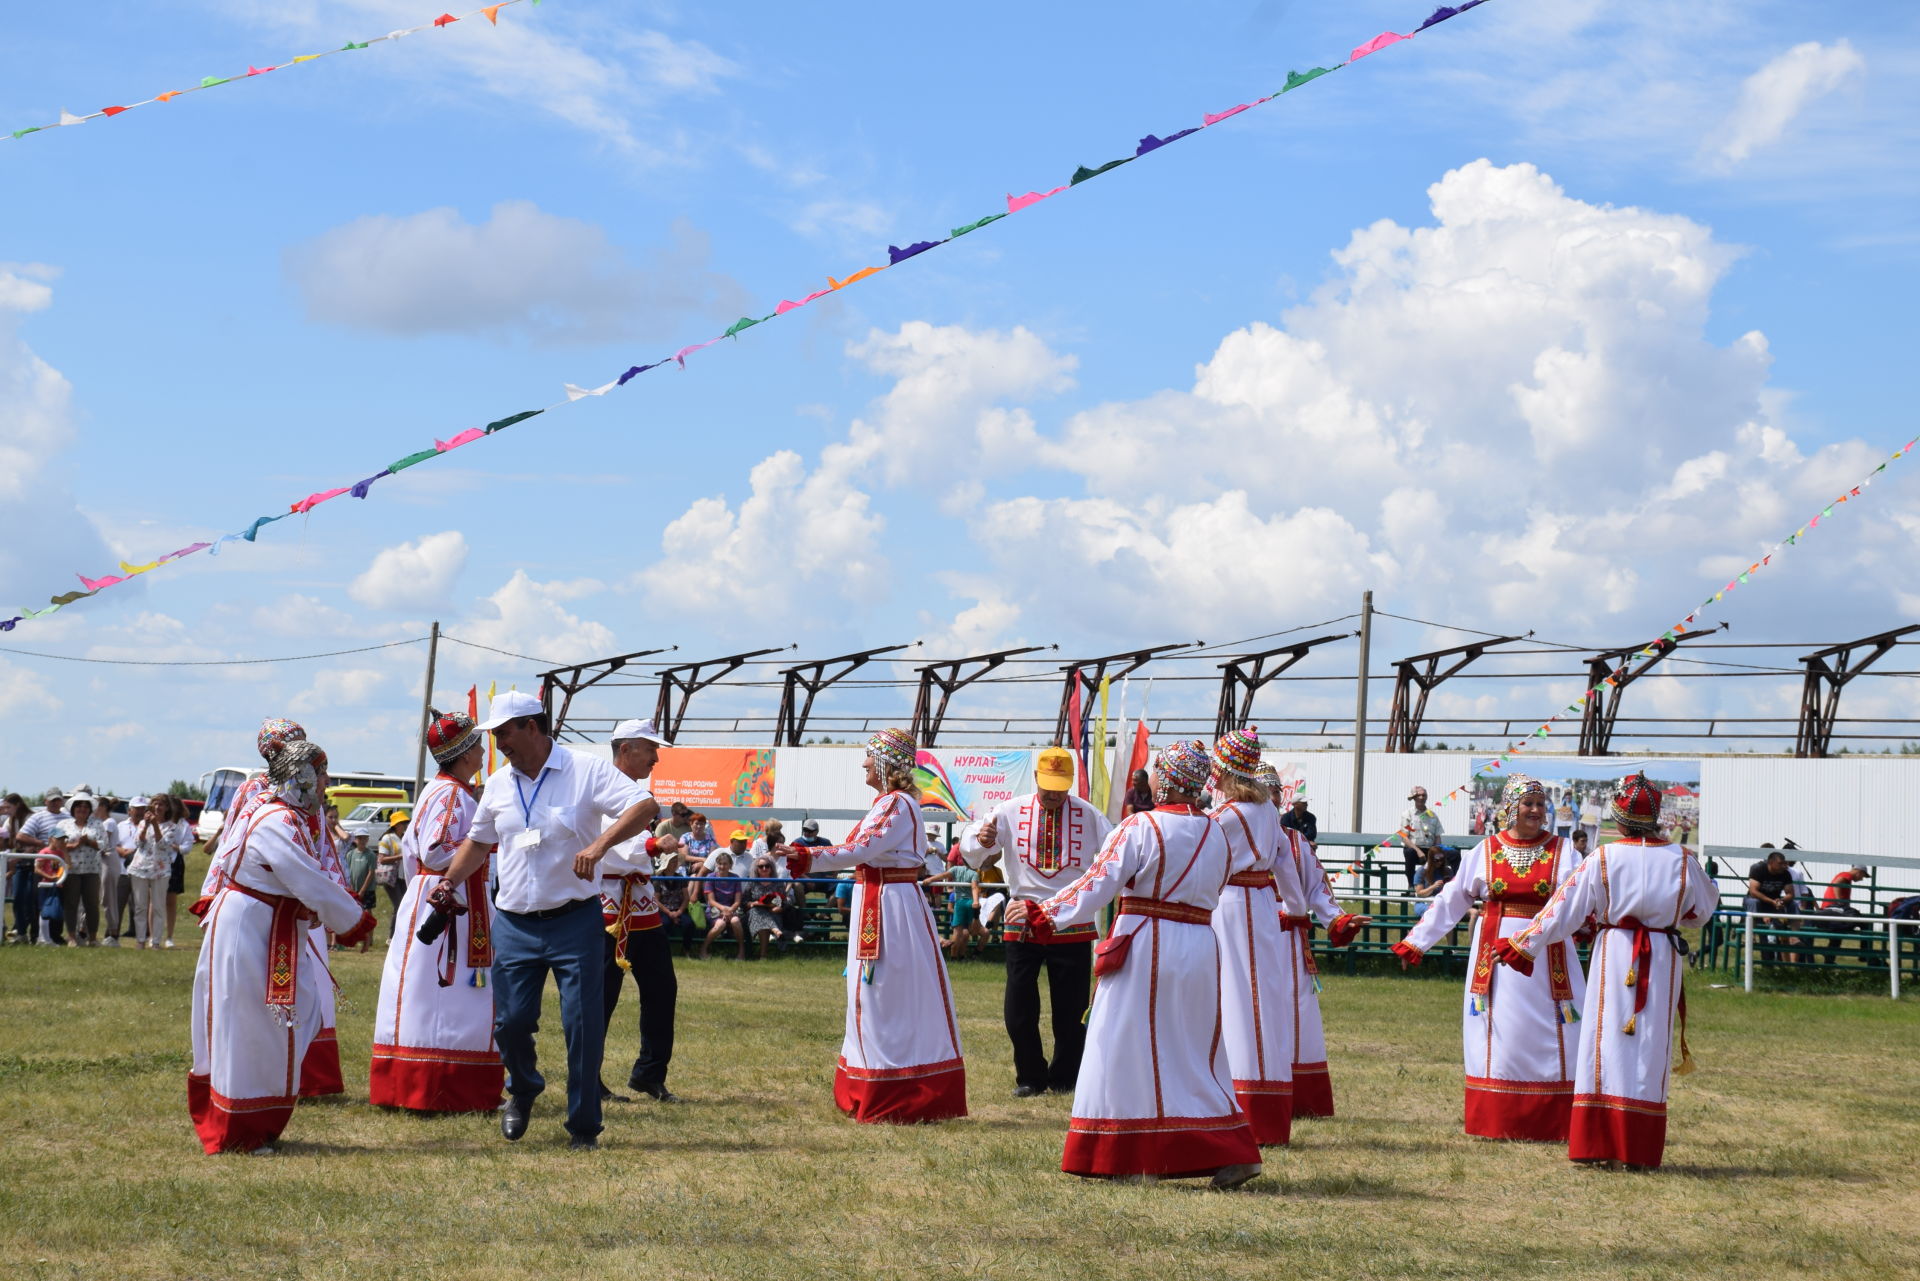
pixel 1039 926
pixel 1342 929
pixel 1507 954
pixel 1408 952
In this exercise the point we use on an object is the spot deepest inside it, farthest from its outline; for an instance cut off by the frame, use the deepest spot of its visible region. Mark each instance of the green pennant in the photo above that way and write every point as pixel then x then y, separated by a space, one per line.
pixel 413 459
pixel 973 226
pixel 1827 512
pixel 1295 79
pixel 21 133
pixel 210 81
pixel 745 322
pixel 501 424
pixel 1083 173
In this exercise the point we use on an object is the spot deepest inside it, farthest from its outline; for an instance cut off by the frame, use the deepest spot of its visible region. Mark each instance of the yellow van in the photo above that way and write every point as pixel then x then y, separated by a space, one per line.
pixel 349 797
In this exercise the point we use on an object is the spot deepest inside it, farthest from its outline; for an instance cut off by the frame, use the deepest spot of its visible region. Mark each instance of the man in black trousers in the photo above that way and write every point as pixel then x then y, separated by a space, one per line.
pixel 636 938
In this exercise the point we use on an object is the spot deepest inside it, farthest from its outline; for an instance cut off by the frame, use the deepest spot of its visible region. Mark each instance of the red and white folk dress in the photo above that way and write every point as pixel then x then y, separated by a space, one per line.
pixel 1256 1001
pixel 1305 897
pixel 1516 1030
pixel 433 1047
pixel 900 1059
pixel 1154 1095
pixel 1638 893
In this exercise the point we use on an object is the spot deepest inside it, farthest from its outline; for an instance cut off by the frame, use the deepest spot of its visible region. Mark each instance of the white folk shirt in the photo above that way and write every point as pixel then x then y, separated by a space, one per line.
pixel 1033 872
pixel 440 823
pixel 541 823
pixel 630 858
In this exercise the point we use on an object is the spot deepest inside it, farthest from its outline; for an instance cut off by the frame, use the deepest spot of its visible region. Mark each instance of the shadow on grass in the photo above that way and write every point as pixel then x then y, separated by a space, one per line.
pixel 1800 1169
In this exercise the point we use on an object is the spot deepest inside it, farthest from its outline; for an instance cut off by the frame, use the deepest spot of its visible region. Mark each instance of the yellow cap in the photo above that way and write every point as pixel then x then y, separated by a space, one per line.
pixel 1053 769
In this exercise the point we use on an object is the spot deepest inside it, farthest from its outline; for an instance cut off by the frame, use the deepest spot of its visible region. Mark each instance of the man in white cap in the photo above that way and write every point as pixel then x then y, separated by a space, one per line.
pixel 636 939
pixel 546 810
pixel 1044 842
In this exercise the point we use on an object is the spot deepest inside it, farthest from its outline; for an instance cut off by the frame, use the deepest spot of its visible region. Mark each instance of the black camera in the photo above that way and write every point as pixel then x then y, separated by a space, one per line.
pixel 433 927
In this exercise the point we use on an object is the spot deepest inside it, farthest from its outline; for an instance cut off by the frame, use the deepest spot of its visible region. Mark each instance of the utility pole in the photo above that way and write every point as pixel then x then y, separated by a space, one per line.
pixel 426 711
pixel 1360 711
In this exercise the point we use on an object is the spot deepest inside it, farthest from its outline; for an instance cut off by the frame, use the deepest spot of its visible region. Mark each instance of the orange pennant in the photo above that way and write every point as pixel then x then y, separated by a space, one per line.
pixel 168 96
pixel 493 14
pixel 861 274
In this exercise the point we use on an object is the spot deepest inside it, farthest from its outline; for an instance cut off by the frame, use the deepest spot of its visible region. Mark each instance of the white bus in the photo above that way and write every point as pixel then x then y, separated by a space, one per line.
pixel 221 785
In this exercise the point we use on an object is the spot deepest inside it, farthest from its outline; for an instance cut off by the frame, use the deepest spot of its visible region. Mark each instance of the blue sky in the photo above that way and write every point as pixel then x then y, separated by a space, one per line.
pixel 1543 320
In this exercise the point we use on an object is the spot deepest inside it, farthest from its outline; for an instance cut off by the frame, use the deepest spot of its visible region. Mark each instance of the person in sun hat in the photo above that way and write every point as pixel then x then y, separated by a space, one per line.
pixel 256 1007
pixel 1306 897
pixel 1154 1099
pixel 900 1059
pixel 1517 1031
pixel 1639 890
pixel 433 1047
pixel 1257 1032
pixel 547 811
pixel 1042 842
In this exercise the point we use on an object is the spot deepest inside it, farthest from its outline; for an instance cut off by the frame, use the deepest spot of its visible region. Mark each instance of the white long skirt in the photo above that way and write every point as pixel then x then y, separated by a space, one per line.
pixel 1153 1095
pixel 1621 1079
pixel 246 1056
pixel 320 1067
pixel 1518 1053
pixel 1256 1008
pixel 433 1047
pixel 900 1059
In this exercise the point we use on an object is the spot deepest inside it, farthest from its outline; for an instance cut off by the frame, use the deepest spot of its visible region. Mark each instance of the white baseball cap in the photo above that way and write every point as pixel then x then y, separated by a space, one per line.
pixel 137 802
pixel 511 706
pixel 627 731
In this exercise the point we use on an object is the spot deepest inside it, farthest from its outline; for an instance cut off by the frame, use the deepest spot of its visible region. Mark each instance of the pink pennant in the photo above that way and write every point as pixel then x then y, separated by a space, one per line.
pixel 1214 118
pixel 188 550
pixel 1812 524
pixel 1376 44
pixel 257 71
pixel 1016 203
pixel 95 584
pixel 681 356
pixel 786 306
pixel 314 500
pixel 466 437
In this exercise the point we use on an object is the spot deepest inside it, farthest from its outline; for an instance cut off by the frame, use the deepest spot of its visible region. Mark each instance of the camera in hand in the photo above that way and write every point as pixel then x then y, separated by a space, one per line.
pixel 446 905
pixel 433 927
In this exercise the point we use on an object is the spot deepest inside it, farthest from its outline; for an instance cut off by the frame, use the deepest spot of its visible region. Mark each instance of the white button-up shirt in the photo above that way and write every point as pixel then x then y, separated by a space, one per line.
pixel 541 823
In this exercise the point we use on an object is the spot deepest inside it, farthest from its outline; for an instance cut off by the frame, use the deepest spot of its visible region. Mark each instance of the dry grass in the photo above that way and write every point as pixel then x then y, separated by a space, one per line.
pixel 1793 1153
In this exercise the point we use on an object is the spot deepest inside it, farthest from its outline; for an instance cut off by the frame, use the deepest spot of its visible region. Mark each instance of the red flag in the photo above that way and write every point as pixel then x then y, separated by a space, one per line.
pixel 473 702
pixel 1076 735
pixel 1138 760
pixel 445 19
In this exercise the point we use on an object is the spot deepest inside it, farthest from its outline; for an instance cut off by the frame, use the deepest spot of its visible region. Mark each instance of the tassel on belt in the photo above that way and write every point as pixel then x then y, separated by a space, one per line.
pixel 479 928
pixel 1161 909
pixel 867 947
pixel 1252 880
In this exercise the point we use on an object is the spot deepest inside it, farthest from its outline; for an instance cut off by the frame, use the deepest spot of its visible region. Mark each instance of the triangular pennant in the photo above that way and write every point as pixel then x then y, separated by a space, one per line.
pixel 445 20
pixel 1297 78
pixel 975 226
pixel 1215 117
pixel 897 255
pixel 258 71
pixel 360 487
pixel 209 82
pixel 312 501
pixel 308 57
pixel 168 96
pixel 95 584
pixel 861 274
pixel 636 371
pixel 351 45
pixel 21 133
pixel 111 112
pixel 1016 203
pixel 1439 15
pixel 466 437
pixel 575 393
pixel 1151 143
pixel 1375 45
pixel 501 424
pixel 493 14
pixel 745 322
pixel 413 459
pixel 68 118
pixel 1083 173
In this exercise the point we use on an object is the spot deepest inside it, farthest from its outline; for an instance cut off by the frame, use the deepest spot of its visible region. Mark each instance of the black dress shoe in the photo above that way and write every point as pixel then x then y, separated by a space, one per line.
pixel 1029 1091
pixel 657 1092
pixel 513 1117
pixel 584 1143
pixel 608 1096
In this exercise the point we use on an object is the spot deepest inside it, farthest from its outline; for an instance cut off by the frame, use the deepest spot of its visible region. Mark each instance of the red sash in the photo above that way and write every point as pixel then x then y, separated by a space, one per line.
pixel 873 878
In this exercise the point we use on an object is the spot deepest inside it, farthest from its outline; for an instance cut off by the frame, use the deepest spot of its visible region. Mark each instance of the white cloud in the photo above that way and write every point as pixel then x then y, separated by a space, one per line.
pixel 521 273
pixel 526 616
pixel 24 696
pixel 340 687
pixel 1773 96
pixel 414 573
pixel 844 220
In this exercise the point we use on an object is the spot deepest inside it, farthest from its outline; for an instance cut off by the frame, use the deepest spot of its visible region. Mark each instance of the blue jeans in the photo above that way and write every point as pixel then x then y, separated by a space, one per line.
pixel 25 889
pixel 572 947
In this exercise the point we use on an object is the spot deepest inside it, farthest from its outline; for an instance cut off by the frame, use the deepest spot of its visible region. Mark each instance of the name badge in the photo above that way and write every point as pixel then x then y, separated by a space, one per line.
pixel 527 840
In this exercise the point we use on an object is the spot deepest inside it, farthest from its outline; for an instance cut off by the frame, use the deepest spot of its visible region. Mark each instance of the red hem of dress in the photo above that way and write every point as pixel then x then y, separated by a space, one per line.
pixel 1312 1090
pixel 1607 1127
pixel 429 1080
pixel 1535 1111
pixel 320 1074
pixel 901 1096
pixel 234 1125
pixel 1169 1147
pixel 1268 1106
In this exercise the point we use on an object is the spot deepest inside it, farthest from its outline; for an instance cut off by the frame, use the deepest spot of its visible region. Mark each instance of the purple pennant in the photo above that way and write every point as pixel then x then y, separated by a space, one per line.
pixel 1151 143
pixel 360 489
pixel 637 370
pixel 6 624
pixel 896 255
pixel 1439 15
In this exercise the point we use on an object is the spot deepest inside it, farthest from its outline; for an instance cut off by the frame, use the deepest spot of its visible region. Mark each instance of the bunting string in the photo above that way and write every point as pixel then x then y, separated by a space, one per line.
pixel 490 12
pixel 574 392
pixel 1530 740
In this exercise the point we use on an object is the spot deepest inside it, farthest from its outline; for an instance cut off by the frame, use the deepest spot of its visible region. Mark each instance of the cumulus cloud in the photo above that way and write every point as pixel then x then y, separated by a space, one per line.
pixel 527 616
pixel 522 272
pixel 1772 97
pixel 341 687
pixel 24 695
pixel 414 573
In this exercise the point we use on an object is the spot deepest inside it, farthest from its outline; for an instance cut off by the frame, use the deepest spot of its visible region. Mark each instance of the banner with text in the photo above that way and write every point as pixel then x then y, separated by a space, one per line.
pixel 967 783
pixel 741 777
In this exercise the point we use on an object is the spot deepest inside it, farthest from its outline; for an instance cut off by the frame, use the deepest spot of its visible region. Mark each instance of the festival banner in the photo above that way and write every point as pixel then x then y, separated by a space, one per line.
pixel 960 784
pixel 1580 787
pixel 572 393
pixel 736 777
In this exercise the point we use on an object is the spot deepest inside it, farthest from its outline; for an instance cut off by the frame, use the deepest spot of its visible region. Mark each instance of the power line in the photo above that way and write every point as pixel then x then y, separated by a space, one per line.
pixel 506 652
pixel 209 662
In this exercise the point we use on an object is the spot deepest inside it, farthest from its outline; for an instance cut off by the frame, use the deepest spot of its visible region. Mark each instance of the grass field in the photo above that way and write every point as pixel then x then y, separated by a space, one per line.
pixel 1793 1153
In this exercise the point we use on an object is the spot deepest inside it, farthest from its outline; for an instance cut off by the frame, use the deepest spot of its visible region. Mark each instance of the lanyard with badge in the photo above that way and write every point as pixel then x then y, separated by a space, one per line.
pixel 528 838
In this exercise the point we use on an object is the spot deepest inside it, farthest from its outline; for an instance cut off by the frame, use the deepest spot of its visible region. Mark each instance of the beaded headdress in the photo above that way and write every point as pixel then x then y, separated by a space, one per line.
pixel 1636 806
pixel 1238 753
pixel 1183 766
pixel 893 747
pixel 294 772
pixel 274 730
pixel 1517 789
pixel 450 735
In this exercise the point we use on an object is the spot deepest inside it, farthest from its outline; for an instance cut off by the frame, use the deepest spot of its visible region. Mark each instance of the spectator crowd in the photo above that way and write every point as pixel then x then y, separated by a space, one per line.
pixel 93 872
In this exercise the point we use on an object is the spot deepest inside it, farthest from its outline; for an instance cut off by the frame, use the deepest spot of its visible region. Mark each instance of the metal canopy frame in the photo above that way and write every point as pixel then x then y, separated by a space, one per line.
pixel 1235 675
pixel 571 680
pixel 1076 675
pixel 792 720
pixel 947 677
pixel 673 681
pixel 1828 671
pixel 1600 712
pixel 1403 722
